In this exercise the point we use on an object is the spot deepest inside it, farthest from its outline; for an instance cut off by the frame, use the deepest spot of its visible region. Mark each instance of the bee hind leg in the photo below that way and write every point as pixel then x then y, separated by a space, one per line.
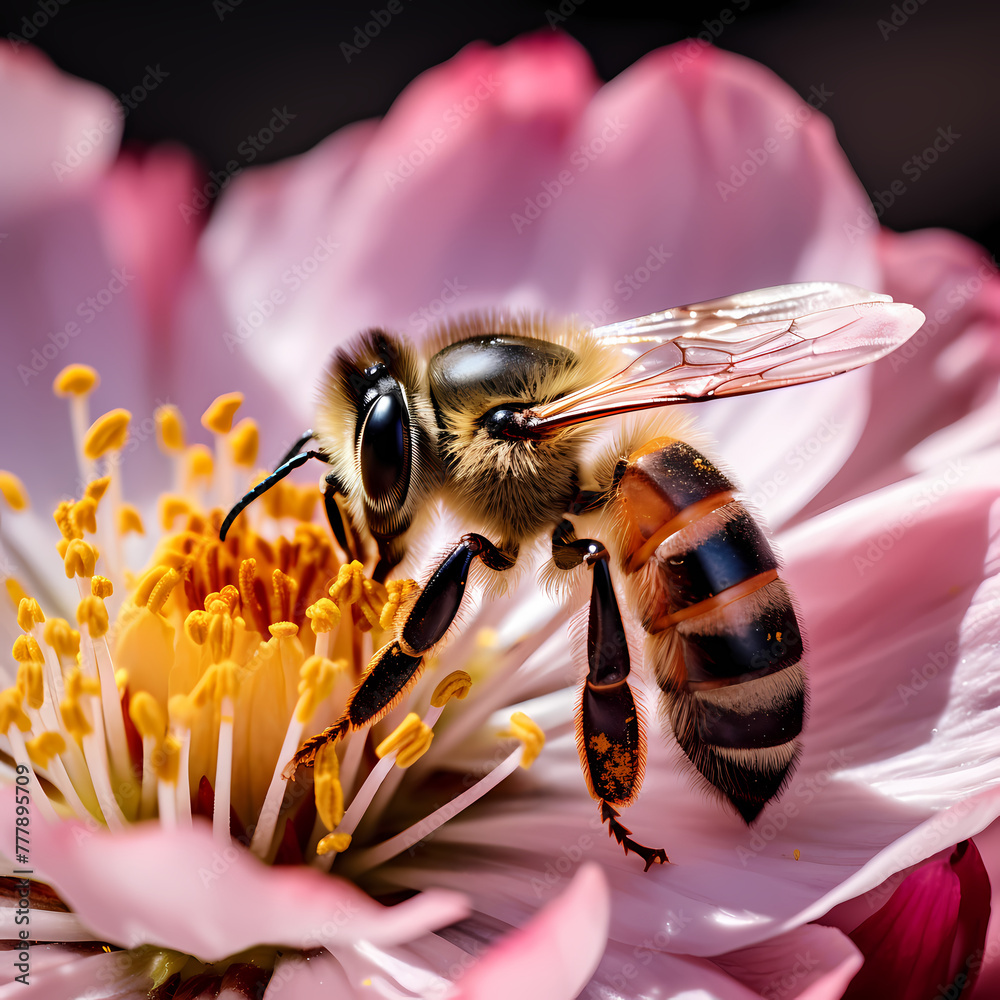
pixel 610 736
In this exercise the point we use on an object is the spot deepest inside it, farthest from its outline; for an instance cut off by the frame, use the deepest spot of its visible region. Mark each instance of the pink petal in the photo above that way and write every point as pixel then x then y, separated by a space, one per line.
pixel 179 889
pixel 924 938
pixel 553 955
pixel 61 972
pixel 59 132
pixel 308 976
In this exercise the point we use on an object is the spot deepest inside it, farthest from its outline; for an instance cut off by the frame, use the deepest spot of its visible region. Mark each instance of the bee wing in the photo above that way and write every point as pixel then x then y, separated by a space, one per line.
pixel 744 343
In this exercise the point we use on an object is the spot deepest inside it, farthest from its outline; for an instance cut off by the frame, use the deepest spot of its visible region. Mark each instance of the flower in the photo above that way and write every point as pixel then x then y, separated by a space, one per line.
pixel 547 192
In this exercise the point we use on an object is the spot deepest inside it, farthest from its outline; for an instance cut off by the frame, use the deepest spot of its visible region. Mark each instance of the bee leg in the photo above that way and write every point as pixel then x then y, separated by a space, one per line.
pixel 396 666
pixel 609 734
pixel 340 522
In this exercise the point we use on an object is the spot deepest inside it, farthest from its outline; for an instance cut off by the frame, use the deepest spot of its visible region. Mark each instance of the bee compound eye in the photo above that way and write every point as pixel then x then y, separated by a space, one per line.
pixel 385 451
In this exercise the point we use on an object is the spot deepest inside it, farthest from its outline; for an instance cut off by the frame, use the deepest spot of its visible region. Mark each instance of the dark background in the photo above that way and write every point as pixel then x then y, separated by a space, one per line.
pixel 230 61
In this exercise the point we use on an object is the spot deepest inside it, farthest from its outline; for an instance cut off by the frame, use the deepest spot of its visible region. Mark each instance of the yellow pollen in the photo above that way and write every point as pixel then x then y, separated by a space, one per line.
pixel 169 429
pixel 218 418
pixel 107 433
pixel 15 592
pixel 84 515
pixel 29 683
pixel 64 522
pixel 346 589
pixel 412 738
pixel 27 650
pixel 29 614
pixel 163 588
pixel 148 716
pixel 455 685
pixel 13 491
pixel 796 854
pixel 171 507
pixel 525 729
pixel 326 787
pixel 96 488
pixel 199 463
pixel 92 613
pixel 324 615
pixel 102 587
pixel 75 380
pixel 80 559
pixel 316 679
pixel 167 760
pixel 44 747
pixel 398 590
pixel 196 626
pixel 338 842
pixel 129 520
pixel 11 713
pixel 283 630
pixel 218 682
pixel 245 441
pixel 62 638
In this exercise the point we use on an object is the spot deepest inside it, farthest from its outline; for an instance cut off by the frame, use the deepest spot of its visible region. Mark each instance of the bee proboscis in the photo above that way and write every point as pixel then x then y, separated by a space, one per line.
pixel 494 417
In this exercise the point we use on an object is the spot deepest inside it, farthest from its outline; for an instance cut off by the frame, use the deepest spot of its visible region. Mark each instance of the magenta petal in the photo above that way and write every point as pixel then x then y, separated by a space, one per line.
pixel 554 954
pixel 181 889
pixel 928 938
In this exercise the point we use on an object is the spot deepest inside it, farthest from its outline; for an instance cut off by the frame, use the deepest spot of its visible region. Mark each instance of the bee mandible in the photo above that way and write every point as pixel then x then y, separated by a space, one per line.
pixel 495 417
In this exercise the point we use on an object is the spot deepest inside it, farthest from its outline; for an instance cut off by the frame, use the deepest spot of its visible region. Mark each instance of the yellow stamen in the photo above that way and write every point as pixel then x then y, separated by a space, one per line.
pixel 11 713
pixel 73 716
pixel 80 559
pixel 324 615
pixel 171 507
pixel 412 738
pixel 338 842
pixel 167 759
pixel 92 613
pixel 44 747
pixel 796 854
pixel 27 650
pixel 220 636
pixel 346 589
pixel 84 515
pixel 65 522
pixel 169 429
pixel 63 639
pixel 245 441
pixel 196 626
pixel 75 380
pixel 29 614
pixel 200 463
pixel 218 682
pixel 13 491
pixel 96 488
pixel 283 630
pixel 316 679
pixel 121 681
pixel 327 788
pixel 397 591
pixel 218 418
pixel 181 710
pixel 107 433
pixel 129 520
pixel 29 683
pixel 455 685
pixel 525 729
pixel 15 592
pixel 148 716
pixel 102 587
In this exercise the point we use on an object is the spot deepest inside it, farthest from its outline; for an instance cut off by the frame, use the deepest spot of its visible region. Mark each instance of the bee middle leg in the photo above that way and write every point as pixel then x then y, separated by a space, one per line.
pixel 609 735
pixel 396 667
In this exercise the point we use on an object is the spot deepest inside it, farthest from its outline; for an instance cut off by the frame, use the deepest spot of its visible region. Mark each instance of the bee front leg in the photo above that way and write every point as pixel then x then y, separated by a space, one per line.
pixel 610 736
pixel 396 667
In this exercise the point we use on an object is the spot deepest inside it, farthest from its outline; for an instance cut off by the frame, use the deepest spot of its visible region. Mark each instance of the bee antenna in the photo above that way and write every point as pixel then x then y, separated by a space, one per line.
pixel 287 466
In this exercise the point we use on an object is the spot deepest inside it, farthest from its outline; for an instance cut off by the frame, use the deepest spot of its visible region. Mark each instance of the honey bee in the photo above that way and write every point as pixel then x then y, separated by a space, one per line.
pixel 495 416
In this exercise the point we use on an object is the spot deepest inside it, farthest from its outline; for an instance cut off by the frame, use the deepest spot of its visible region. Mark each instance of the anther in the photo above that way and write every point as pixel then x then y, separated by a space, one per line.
pixel 327 788
pixel 283 630
pixel 96 488
pixel 62 638
pixel 129 520
pixel 200 463
pixel 107 433
pixel 80 558
pixel 397 591
pixel 245 442
pixel 171 507
pixel 11 712
pixel 13 491
pixel 44 747
pixel 455 685
pixel 324 615
pixel 218 418
pixel 92 613
pixel 29 614
pixel 532 737
pixel 169 428
pixel 411 738
pixel 218 682
pixel 75 380
pixel 316 679
pixel 84 515
pixel 148 716
pixel 29 683
pixel 334 842
pixel 102 587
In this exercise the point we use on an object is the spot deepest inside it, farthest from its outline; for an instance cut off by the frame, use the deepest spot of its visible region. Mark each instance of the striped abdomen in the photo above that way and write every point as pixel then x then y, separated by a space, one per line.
pixel 724 643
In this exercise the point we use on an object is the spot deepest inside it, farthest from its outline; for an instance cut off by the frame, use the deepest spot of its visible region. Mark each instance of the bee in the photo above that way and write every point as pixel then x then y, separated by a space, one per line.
pixel 495 417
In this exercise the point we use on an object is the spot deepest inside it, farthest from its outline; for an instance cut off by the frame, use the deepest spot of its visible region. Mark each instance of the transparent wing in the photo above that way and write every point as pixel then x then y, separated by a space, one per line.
pixel 744 343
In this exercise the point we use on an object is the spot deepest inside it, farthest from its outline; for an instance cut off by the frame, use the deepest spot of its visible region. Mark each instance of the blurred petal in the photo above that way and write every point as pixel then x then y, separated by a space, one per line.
pixel 58 972
pixel 308 976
